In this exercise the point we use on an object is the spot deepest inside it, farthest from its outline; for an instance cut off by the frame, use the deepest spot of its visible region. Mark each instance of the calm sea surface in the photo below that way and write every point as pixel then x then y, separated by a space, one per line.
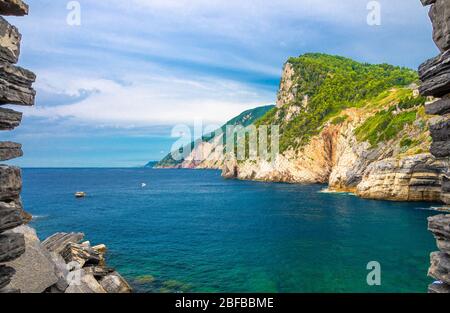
pixel 193 231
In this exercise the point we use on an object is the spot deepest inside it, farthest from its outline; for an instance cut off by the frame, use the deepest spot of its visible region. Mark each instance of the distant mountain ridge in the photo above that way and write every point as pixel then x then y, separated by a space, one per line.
pixel 210 145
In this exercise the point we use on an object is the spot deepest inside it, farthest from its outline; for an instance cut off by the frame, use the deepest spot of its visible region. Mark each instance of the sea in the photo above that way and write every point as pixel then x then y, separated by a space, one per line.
pixel 193 231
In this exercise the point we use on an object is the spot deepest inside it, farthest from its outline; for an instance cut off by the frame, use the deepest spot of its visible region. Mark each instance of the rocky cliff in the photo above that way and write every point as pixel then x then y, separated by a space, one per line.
pixel 357 127
pixel 61 263
pixel 435 77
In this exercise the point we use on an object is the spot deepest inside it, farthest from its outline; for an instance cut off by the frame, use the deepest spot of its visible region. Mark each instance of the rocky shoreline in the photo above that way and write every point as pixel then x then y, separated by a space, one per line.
pixel 60 264
pixel 435 77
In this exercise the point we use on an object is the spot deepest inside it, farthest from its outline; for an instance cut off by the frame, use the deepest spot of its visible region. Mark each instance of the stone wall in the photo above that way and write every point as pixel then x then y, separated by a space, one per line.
pixel 435 77
pixel 60 264
pixel 15 88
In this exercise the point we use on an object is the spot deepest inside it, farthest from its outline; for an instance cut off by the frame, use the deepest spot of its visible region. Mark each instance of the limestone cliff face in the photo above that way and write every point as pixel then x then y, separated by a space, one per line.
pixel 398 167
pixel 336 157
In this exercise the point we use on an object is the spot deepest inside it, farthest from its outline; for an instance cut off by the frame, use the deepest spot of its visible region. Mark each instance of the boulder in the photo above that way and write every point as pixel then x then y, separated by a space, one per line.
pixel 435 66
pixel 9 42
pixel 10 182
pixel 440 267
pixel 10 150
pixel 12 246
pixel 439 225
pixel 85 284
pixel 13 7
pixel 15 85
pixel 439 107
pixel 10 215
pixel 57 242
pixel 435 76
pixel 440 128
pixel 6 273
pixel 35 271
pixel 437 86
pixel 9 119
pixel 114 283
pixel 81 254
pixel 98 271
pixel 440 149
pixel 440 17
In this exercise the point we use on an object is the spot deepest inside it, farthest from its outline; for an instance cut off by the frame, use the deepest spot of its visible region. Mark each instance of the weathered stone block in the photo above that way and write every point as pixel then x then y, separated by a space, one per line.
pixel 440 17
pixel 12 246
pixel 427 2
pixel 6 273
pixel 440 267
pixel 88 284
pixel 13 7
pixel 10 150
pixel 439 107
pixel 83 255
pixel 114 283
pixel 58 242
pixel 440 149
pixel 10 182
pixel 98 271
pixel 436 86
pixel 435 66
pixel 10 215
pixel 9 119
pixel 434 75
pixel 15 85
pixel 9 42
pixel 35 271
pixel 440 128
pixel 439 225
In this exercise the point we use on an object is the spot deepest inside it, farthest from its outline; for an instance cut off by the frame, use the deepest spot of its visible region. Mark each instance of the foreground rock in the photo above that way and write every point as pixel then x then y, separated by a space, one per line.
pixel 12 246
pixel 34 269
pixel 439 225
pixel 60 264
pixel 10 182
pixel 13 7
pixel 10 215
pixel 15 85
pixel 114 283
pixel 9 119
pixel 9 42
pixel 10 150
pixel 58 242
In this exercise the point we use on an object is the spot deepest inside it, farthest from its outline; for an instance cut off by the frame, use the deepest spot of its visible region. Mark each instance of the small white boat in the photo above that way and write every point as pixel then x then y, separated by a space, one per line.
pixel 80 194
pixel 143 185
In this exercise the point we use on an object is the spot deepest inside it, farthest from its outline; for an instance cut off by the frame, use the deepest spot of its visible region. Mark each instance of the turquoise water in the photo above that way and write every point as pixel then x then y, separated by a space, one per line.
pixel 194 231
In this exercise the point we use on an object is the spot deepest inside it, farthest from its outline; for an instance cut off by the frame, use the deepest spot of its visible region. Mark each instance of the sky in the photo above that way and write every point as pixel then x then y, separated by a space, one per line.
pixel 110 90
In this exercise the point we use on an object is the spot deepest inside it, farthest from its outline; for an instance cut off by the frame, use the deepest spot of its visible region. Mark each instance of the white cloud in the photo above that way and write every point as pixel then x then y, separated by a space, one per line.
pixel 139 61
pixel 144 101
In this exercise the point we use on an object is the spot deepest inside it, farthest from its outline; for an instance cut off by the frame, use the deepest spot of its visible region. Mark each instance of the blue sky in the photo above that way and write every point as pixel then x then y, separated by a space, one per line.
pixel 110 90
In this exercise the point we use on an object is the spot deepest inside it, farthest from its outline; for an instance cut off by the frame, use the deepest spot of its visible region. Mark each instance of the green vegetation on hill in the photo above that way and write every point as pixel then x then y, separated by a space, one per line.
pixel 332 84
